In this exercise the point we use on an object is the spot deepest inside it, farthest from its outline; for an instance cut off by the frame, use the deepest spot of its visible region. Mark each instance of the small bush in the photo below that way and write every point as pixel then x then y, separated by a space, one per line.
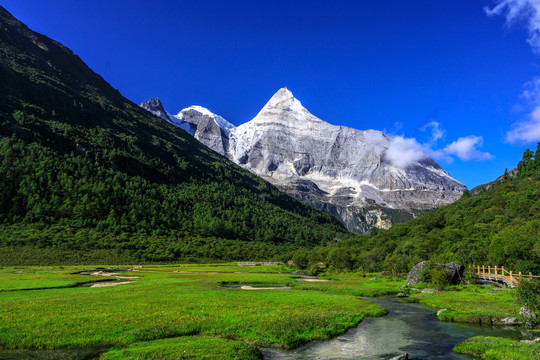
pixel 439 277
pixel 528 295
pixel 435 275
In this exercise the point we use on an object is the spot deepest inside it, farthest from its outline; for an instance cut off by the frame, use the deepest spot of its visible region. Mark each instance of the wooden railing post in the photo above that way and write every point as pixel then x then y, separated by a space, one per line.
pixel 496 275
pixel 530 276
pixel 511 280
pixel 478 273
pixel 483 271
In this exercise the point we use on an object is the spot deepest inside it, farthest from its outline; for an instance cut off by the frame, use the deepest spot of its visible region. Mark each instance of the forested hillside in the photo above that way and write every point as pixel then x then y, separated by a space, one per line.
pixel 84 169
pixel 500 226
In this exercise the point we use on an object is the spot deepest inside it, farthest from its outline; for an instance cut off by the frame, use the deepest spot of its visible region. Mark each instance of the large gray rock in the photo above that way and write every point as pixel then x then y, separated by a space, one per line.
pixel 528 315
pixel 401 357
pixel 361 177
pixel 454 272
pixel 415 275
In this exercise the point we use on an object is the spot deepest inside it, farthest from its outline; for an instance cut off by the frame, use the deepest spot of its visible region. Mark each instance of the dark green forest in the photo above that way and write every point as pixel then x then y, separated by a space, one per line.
pixel 84 169
pixel 499 226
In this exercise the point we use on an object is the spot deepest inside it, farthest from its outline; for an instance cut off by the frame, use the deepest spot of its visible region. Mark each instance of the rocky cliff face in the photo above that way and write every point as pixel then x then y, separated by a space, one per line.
pixel 339 170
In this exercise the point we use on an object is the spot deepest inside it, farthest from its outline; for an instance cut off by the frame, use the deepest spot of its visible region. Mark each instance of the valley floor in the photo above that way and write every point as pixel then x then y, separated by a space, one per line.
pixel 195 311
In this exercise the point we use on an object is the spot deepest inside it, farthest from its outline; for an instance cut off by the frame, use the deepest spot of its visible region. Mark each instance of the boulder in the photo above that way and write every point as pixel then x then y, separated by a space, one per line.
pixel 534 341
pixel 454 272
pixel 430 291
pixel 415 275
pixel 401 357
pixel 510 320
pixel 402 295
pixel 440 312
pixel 528 315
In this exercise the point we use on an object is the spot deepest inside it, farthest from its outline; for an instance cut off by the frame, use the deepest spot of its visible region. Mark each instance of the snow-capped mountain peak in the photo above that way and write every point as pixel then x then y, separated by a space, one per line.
pixel 221 122
pixel 340 170
pixel 284 106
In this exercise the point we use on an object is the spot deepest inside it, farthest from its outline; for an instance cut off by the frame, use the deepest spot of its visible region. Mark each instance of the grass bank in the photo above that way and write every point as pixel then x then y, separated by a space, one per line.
pixel 481 304
pixel 494 348
pixel 186 347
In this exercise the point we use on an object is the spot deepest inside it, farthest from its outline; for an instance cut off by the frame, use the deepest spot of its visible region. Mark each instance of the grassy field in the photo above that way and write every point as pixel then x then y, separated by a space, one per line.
pixel 192 307
pixel 355 285
pixel 186 347
pixel 184 311
pixel 41 278
pixel 494 348
pixel 471 303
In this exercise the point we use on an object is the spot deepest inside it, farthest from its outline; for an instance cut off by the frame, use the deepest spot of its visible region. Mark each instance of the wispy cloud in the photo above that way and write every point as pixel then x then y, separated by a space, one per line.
pixel 437 132
pixel 527 12
pixel 516 11
pixel 527 131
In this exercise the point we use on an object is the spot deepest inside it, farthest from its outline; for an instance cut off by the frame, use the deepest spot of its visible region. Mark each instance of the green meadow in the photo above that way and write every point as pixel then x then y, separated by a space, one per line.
pixel 482 304
pixel 189 308
pixel 494 348
pixel 189 311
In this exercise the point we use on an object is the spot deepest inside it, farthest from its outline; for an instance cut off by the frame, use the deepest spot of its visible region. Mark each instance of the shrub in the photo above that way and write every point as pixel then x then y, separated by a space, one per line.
pixel 439 277
pixel 528 295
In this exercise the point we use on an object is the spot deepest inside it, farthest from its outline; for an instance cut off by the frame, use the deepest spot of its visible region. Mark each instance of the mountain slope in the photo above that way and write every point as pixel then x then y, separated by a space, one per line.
pixel 76 156
pixel 345 172
pixel 499 226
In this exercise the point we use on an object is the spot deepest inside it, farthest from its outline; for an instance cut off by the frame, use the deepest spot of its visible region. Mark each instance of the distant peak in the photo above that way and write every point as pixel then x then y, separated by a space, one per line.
pixel 199 109
pixel 152 103
pixel 284 93
pixel 284 99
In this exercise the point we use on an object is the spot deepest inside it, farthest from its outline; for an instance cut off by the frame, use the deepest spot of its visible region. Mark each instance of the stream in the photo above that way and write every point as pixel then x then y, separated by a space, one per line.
pixel 408 328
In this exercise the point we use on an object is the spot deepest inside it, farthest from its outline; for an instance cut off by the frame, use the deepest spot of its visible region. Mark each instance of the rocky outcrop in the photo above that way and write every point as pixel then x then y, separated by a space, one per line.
pixel 351 174
pixel 454 272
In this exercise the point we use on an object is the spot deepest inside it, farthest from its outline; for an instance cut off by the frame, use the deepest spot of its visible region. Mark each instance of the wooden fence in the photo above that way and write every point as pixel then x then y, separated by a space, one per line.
pixel 499 274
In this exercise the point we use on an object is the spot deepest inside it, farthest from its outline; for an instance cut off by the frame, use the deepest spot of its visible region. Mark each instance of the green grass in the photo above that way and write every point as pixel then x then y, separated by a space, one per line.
pixel 187 347
pixel 494 348
pixel 471 304
pixel 39 278
pixel 221 268
pixel 353 284
pixel 164 304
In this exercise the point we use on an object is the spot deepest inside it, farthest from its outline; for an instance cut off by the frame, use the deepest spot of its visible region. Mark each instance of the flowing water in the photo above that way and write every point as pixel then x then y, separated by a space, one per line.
pixel 408 328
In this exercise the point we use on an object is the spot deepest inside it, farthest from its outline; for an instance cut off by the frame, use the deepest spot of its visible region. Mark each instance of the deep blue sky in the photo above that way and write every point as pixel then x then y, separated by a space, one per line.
pixel 385 65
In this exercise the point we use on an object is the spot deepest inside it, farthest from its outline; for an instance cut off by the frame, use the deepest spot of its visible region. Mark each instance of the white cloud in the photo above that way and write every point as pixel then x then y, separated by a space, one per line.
pixel 528 11
pixel 402 152
pixel 531 91
pixel 526 131
pixel 375 140
pixel 465 148
pixel 521 10
pixel 437 132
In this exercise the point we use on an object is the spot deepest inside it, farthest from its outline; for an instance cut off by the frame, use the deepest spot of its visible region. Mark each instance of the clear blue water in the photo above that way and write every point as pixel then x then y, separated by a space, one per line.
pixel 408 328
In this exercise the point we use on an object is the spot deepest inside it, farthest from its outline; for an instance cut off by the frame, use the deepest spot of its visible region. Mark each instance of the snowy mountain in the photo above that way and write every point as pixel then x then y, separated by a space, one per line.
pixel 354 175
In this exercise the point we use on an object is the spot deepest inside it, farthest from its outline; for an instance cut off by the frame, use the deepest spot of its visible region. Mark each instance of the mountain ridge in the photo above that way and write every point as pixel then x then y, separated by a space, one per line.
pixel 337 169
